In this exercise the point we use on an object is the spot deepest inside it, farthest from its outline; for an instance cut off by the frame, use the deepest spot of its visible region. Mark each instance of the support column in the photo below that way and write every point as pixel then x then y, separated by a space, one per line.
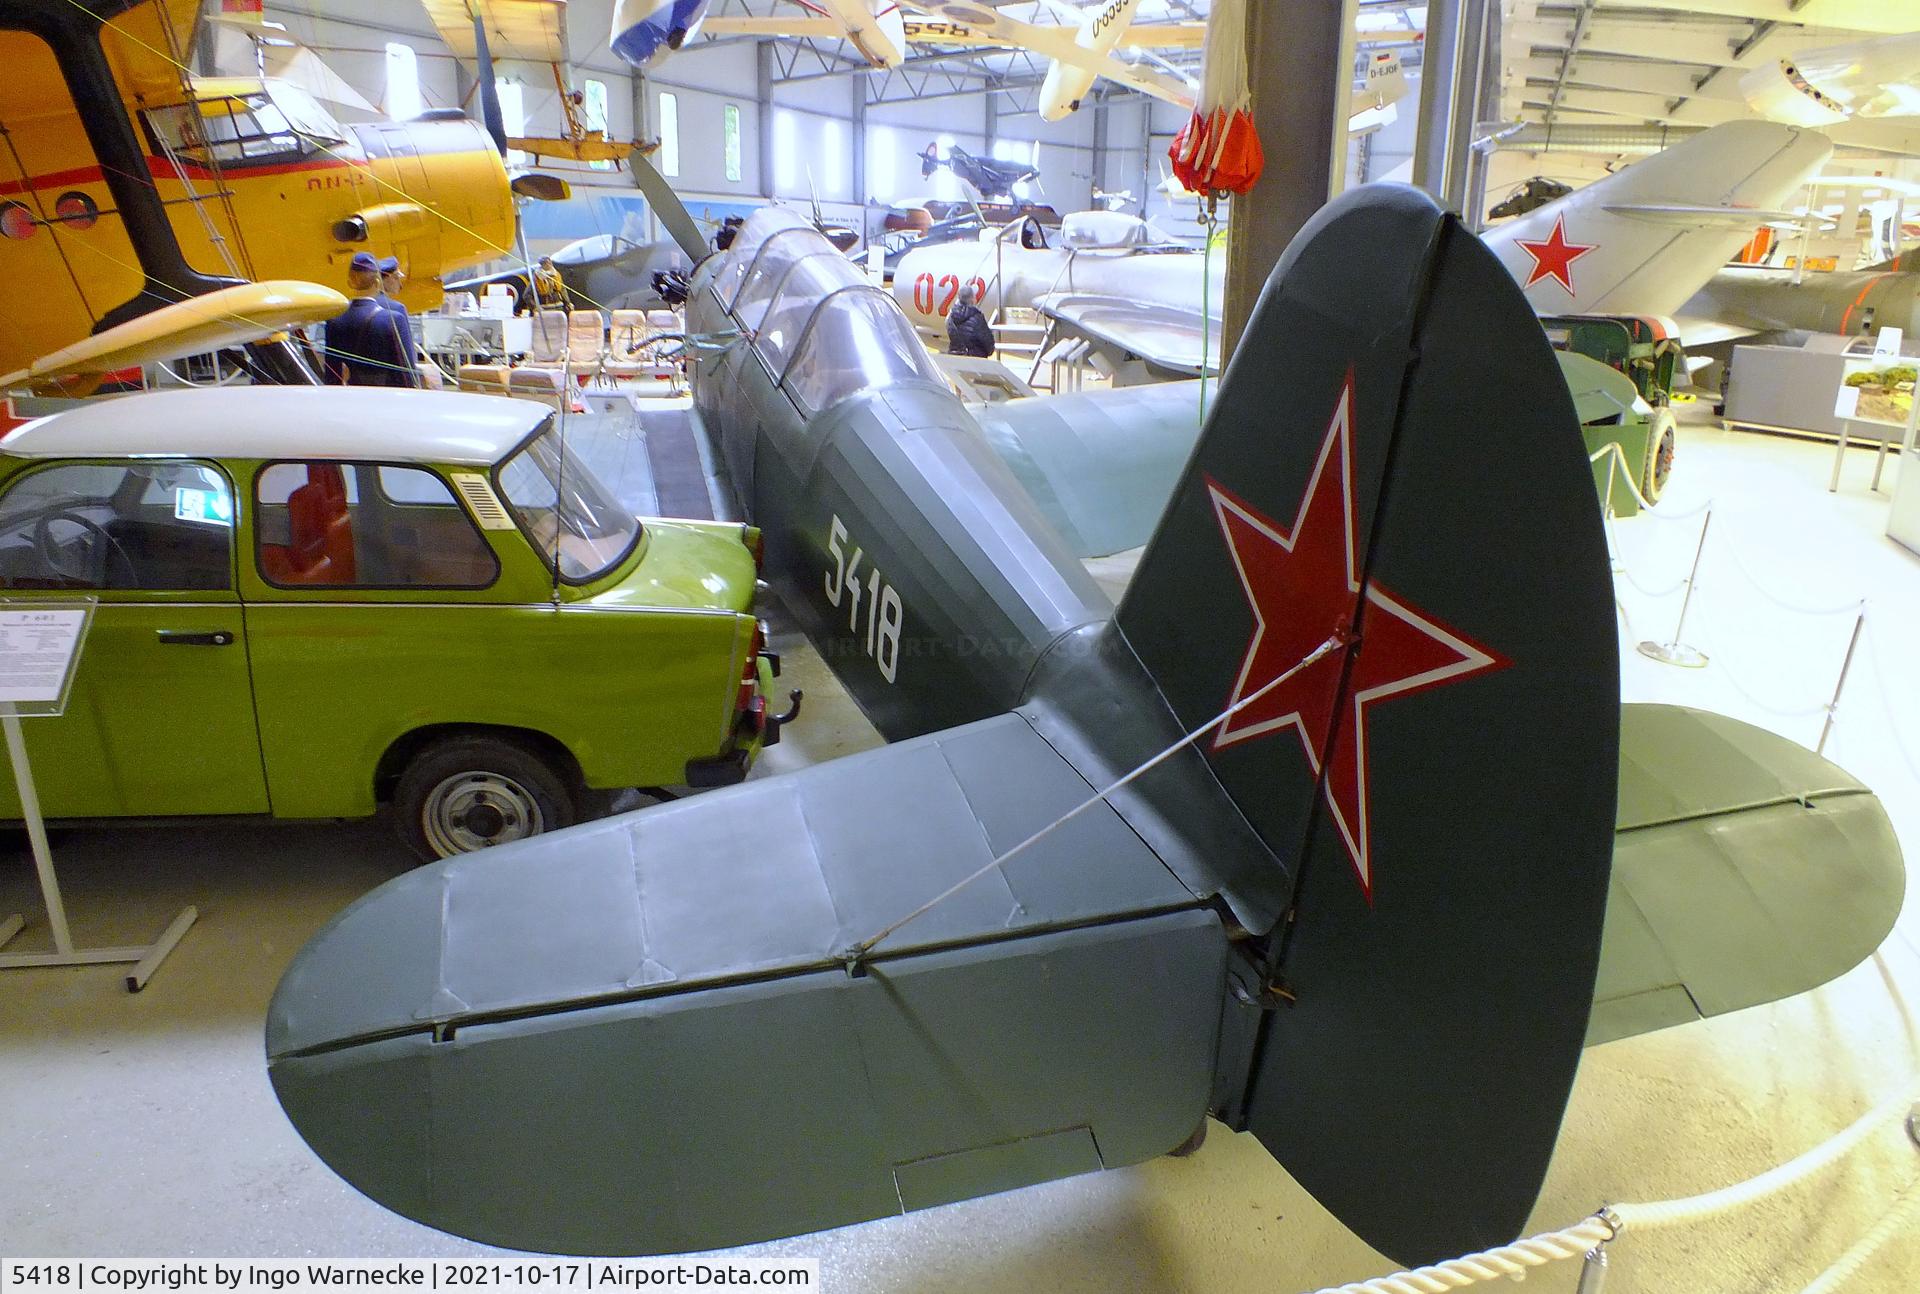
pixel 1099 160
pixel 763 115
pixel 990 120
pixel 859 133
pixel 1453 76
pixel 1300 67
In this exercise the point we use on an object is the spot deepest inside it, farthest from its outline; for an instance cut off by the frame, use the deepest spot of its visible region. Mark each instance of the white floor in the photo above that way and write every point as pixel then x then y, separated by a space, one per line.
pixel 143 1126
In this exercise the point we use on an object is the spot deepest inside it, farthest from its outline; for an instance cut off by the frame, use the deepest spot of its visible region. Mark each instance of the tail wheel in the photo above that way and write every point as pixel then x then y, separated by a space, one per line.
pixel 1662 436
pixel 468 793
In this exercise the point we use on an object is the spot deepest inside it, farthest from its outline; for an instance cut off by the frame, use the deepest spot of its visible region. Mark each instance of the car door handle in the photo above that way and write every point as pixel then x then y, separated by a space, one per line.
pixel 196 637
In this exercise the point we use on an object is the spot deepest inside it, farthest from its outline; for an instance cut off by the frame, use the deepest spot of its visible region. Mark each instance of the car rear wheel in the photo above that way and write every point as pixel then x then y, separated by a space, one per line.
pixel 469 793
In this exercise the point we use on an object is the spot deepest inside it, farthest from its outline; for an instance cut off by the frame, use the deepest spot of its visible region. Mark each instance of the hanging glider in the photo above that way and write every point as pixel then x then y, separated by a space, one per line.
pixel 1353 901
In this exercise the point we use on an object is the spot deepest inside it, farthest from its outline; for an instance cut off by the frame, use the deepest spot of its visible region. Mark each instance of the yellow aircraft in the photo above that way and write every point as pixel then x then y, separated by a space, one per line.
pixel 127 185
pixel 528 31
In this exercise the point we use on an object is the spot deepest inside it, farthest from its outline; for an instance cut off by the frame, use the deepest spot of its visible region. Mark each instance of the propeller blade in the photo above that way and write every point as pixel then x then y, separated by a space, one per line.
pixel 667 206
pixel 489 92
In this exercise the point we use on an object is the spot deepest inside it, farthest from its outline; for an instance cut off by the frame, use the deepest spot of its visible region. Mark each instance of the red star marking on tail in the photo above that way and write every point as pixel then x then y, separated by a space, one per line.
pixel 1302 585
pixel 1554 257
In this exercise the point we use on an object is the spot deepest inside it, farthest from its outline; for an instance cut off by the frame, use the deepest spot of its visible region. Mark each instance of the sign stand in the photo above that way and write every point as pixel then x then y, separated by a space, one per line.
pixel 39 650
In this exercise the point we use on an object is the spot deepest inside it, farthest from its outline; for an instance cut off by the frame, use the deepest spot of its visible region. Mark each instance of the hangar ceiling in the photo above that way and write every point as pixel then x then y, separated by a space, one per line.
pixel 1644 63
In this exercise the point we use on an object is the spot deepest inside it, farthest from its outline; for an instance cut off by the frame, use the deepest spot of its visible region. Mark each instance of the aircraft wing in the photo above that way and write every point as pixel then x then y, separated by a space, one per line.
pixel 991 26
pixel 774 25
pixel 1745 869
pixel 531 31
pixel 1100 464
pixel 1163 335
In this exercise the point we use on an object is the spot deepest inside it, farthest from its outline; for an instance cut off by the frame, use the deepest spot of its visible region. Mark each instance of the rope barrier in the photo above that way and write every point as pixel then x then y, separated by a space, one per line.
pixel 1611 1222
pixel 1886 703
pixel 1733 678
pixel 1838 608
pixel 1902 1214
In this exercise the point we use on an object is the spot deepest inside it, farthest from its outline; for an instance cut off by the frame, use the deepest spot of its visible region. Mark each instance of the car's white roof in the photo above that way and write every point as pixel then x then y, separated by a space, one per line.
pixel 333 422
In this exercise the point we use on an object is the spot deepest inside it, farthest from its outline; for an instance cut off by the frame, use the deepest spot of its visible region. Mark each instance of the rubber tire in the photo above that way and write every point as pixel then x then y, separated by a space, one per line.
pixel 1661 427
pixel 558 798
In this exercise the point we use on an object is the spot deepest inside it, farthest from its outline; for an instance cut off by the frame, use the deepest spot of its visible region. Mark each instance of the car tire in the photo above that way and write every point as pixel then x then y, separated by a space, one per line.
pixel 1662 436
pixel 466 793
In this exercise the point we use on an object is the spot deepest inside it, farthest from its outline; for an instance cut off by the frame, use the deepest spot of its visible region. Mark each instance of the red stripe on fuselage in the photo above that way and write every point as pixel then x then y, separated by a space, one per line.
pixel 161 169
pixel 1862 297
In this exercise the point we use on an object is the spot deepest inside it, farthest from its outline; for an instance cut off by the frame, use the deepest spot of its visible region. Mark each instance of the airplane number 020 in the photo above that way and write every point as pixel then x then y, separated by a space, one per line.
pixel 946 290
pixel 884 612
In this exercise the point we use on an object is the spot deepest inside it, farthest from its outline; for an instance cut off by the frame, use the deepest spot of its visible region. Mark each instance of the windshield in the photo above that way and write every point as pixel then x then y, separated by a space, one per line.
pixel 571 517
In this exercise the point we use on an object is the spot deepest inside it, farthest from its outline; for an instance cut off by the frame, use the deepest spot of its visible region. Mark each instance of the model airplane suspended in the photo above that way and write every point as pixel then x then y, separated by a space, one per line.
pixel 129 185
pixel 1121 867
pixel 1638 243
pixel 991 179
pixel 529 31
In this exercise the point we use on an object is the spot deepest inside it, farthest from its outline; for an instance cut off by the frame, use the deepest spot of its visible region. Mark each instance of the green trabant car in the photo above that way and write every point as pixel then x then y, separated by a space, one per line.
pixel 312 602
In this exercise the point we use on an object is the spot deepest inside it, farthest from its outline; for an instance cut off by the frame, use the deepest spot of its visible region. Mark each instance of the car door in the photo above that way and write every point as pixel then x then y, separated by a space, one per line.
pixel 160 719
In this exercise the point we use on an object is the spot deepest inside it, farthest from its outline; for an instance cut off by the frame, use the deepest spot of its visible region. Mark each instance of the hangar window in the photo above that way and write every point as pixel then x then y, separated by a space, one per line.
pixel 856 339
pixel 594 103
pixel 786 152
pixel 403 82
pixel 669 135
pixel 733 142
pixel 513 114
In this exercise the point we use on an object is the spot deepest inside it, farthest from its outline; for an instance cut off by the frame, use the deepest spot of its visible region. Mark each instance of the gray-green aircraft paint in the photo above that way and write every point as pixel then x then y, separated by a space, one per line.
pixel 1359 916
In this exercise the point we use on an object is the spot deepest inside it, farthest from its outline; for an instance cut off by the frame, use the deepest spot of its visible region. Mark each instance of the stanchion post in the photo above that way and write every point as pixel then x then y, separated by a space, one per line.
pixel 36 834
pixel 1675 652
pixel 1840 684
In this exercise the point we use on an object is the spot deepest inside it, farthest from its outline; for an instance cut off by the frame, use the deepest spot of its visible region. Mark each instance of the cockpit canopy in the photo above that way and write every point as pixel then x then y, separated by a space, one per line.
pixel 819 325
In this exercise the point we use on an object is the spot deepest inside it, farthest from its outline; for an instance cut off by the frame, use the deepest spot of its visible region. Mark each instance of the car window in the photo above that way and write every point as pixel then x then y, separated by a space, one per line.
pixel 365 525
pixel 571 517
pixel 165 526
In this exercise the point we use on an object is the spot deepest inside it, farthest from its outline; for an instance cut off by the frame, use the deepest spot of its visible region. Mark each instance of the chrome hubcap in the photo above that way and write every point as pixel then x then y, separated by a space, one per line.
pixel 478 810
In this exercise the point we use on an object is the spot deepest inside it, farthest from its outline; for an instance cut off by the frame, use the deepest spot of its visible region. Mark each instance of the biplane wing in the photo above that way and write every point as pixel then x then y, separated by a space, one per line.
pixel 528 31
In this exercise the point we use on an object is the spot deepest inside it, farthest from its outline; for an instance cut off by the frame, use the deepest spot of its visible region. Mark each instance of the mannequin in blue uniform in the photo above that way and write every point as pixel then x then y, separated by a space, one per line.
pixel 363 345
pixel 391 278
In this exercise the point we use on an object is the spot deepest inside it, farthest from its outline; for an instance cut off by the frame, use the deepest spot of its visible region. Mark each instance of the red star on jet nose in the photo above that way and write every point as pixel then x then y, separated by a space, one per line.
pixel 1302 586
pixel 1554 257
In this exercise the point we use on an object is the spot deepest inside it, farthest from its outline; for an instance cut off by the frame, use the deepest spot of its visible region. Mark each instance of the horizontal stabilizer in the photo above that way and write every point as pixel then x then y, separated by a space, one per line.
pixel 641 1035
pixel 1683 213
pixel 1746 869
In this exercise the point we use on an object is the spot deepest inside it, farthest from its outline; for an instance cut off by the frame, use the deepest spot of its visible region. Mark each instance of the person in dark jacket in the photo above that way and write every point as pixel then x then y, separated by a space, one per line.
pixel 967 330
pixel 363 346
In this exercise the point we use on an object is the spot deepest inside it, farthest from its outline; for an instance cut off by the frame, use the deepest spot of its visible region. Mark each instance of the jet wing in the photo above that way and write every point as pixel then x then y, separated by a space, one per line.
pixel 663 998
pixel 1745 869
pixel 1163 335
pixel 531 31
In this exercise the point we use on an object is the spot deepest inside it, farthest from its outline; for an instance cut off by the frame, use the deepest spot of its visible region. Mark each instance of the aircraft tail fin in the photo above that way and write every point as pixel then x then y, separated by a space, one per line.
pixel 1386 81
pixel 1643 240
pixel 1393 465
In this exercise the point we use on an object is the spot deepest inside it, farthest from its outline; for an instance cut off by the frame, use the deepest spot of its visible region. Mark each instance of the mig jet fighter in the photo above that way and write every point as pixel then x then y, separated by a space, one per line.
pixel 1333 828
